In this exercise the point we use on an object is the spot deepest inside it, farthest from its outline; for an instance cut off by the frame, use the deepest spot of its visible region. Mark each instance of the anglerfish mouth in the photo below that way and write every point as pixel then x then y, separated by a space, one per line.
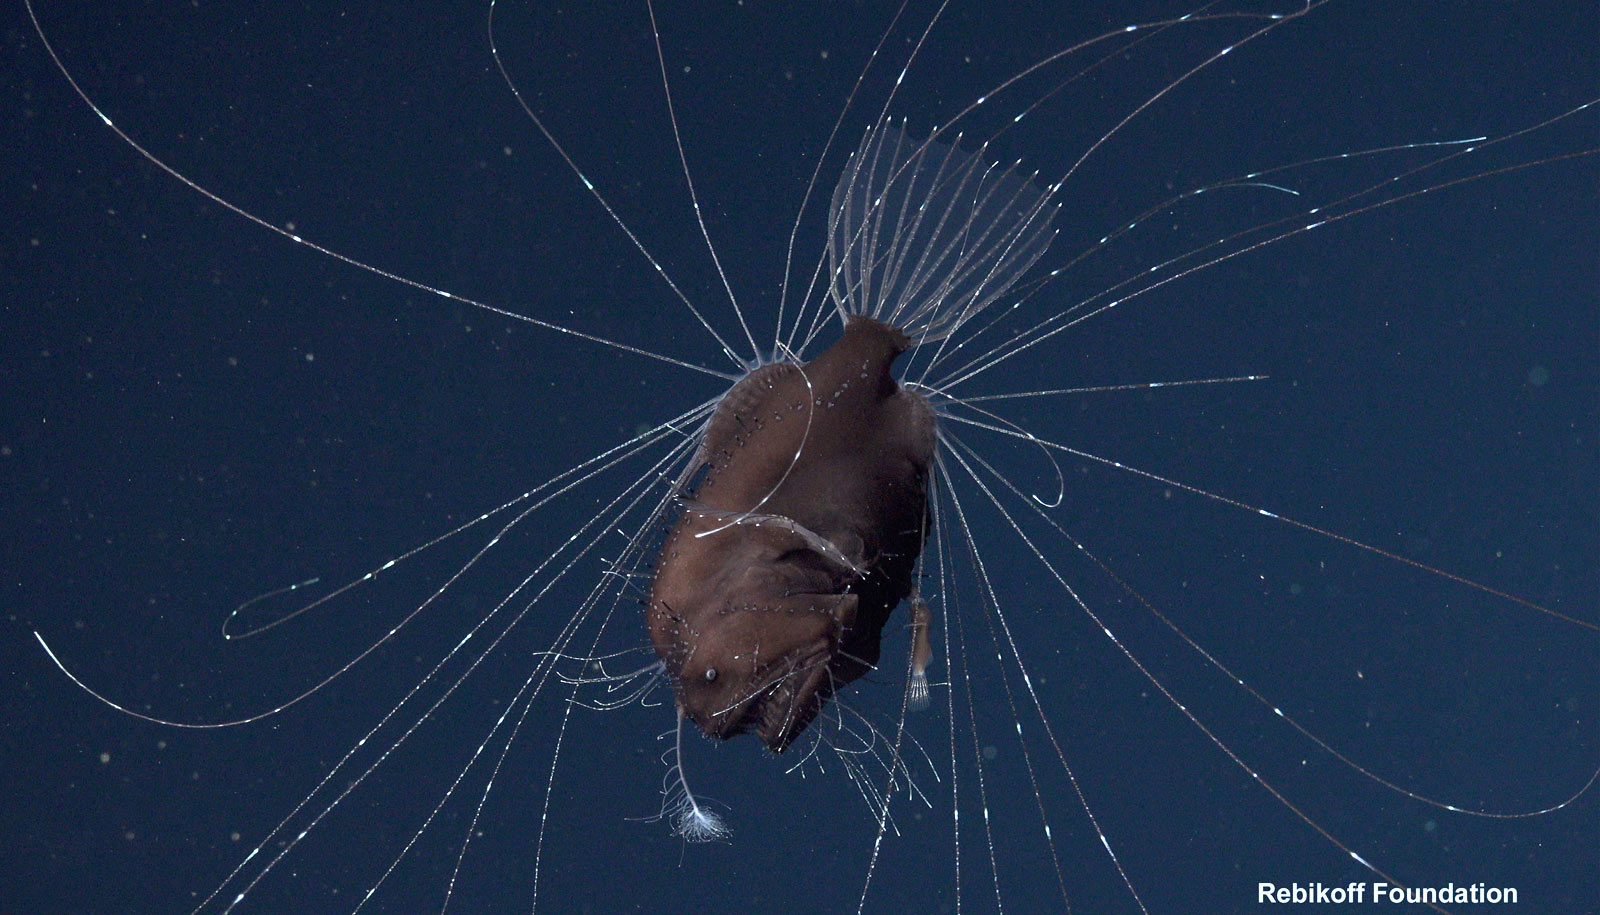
pixel 789 704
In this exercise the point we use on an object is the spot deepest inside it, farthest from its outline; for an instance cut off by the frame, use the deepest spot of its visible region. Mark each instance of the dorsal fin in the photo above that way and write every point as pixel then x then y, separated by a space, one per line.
pixel 733 413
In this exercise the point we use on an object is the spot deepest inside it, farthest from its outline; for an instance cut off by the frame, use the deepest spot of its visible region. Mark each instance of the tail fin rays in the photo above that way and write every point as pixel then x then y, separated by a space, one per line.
pixel 923 236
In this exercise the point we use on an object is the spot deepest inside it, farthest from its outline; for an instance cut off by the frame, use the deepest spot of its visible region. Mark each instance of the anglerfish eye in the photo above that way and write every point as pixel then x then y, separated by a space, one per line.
pixel 711 674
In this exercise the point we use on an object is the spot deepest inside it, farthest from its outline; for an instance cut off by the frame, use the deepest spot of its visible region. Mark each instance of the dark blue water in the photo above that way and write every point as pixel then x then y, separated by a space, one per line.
pixel 198 411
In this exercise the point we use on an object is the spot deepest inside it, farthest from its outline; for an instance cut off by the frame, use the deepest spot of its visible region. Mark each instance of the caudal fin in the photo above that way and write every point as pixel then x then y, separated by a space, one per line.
pixel 923 236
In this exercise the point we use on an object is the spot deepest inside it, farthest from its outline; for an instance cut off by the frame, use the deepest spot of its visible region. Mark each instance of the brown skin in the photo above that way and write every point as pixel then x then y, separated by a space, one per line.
pixel 780 622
